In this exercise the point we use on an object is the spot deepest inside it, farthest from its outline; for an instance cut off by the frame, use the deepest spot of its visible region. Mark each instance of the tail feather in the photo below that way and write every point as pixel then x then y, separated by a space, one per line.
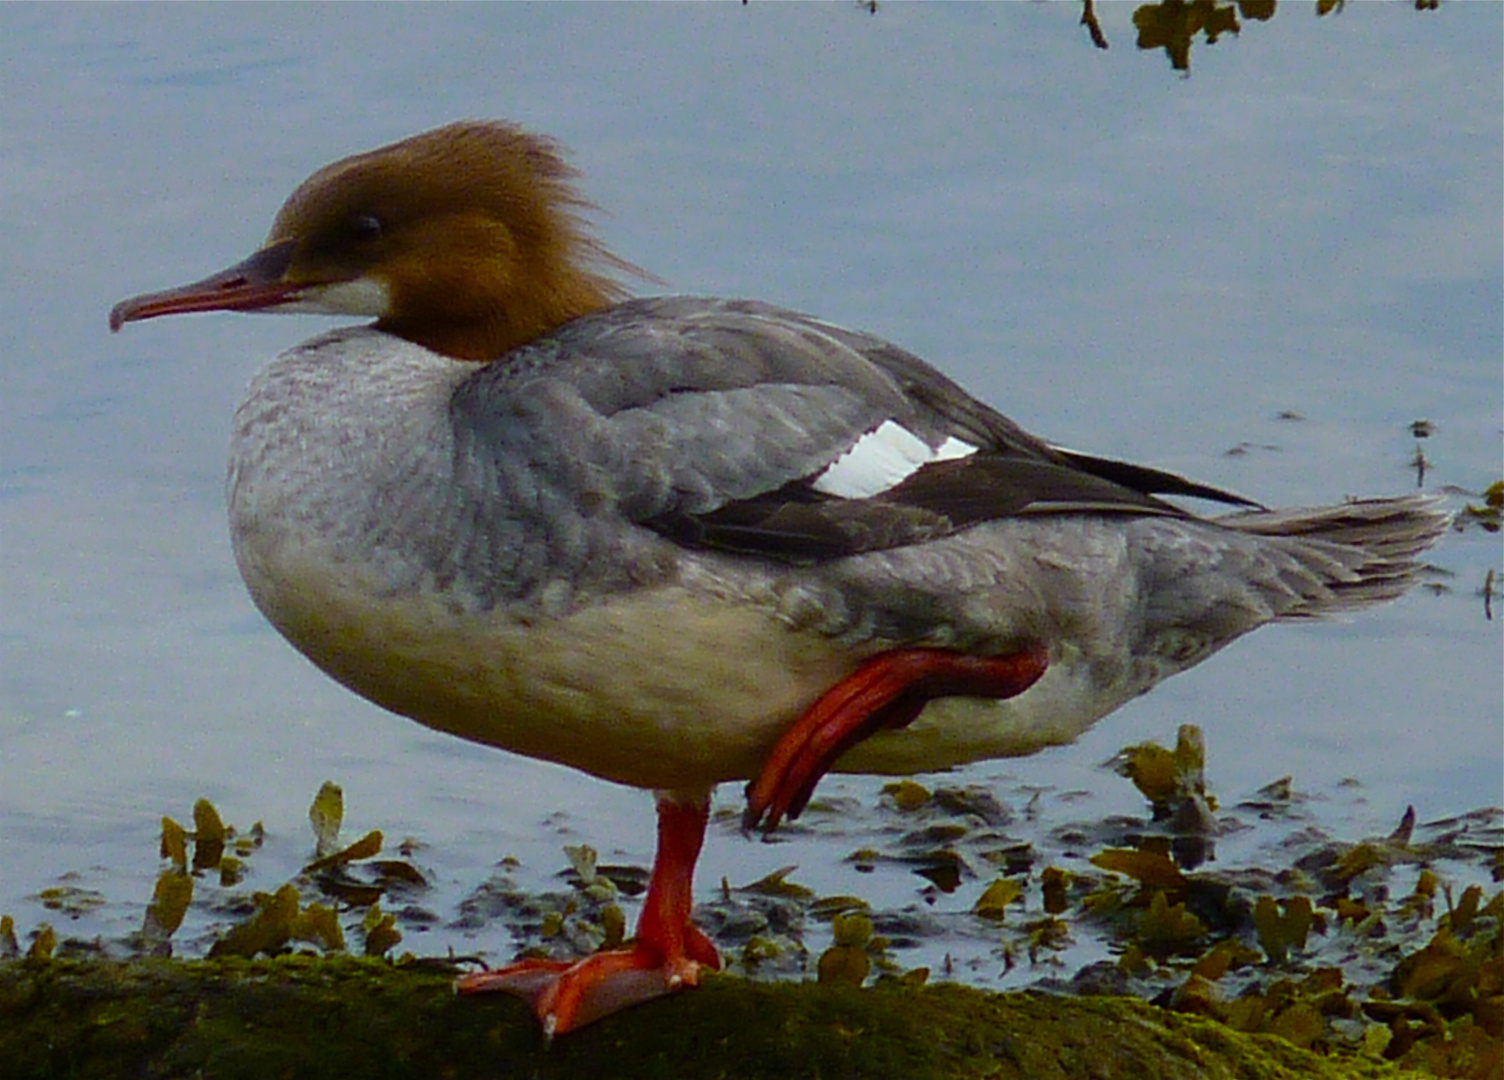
pixel 1364 551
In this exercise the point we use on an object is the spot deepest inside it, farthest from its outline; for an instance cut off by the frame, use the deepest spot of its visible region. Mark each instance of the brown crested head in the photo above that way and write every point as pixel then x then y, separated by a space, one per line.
pixel 468 239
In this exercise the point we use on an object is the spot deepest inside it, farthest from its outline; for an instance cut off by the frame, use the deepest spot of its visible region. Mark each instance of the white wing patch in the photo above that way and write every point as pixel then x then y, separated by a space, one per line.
pixel 884 458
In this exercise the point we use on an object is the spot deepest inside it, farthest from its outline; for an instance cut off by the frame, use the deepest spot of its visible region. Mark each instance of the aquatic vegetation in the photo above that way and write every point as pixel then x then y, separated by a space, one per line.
pixel 1386 947
pixel 1489 515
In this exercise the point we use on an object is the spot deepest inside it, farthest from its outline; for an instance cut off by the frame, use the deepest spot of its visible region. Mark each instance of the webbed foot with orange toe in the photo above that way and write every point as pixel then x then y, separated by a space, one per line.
pixel 888 691
pixel 667 954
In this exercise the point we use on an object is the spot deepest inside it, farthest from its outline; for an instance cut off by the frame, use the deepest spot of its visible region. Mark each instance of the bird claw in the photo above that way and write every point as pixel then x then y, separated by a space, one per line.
pixel 888 691
pixel 565 996
pixel 666 955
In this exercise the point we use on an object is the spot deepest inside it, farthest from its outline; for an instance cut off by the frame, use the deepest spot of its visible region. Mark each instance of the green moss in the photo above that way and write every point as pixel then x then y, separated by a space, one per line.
pixel 308 1017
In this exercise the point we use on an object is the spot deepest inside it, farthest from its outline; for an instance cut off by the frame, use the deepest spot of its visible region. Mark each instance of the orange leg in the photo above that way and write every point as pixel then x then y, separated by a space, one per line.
pixel 666 955
pixel 888 691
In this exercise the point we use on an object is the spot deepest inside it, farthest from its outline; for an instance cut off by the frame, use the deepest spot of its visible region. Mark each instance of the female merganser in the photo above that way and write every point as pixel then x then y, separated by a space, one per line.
pixel 678 541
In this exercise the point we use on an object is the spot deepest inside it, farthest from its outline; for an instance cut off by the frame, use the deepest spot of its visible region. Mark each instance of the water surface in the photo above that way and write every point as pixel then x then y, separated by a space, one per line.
pixel 1259 275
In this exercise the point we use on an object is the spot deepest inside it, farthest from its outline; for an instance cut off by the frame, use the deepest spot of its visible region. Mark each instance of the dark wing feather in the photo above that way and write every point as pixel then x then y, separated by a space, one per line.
pixel 797 524
pixel 1152 481
pixel 789 527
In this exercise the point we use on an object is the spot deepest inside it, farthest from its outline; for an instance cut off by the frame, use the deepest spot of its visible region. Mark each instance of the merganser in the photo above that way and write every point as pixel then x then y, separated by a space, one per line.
pixel 679 541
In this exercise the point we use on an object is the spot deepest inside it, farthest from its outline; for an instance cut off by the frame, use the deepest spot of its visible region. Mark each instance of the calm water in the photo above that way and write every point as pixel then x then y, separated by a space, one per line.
pixel 1122 259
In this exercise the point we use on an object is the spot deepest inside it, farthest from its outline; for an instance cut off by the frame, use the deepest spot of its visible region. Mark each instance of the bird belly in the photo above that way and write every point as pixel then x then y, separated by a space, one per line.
pixel 655 688
pixel 659 687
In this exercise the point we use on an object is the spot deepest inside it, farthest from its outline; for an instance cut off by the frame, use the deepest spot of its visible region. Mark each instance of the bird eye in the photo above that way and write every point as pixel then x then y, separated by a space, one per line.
pixel 365 228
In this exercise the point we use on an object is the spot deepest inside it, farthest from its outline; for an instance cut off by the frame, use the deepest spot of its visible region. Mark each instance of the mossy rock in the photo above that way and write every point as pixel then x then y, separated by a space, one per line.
pixel 307 1017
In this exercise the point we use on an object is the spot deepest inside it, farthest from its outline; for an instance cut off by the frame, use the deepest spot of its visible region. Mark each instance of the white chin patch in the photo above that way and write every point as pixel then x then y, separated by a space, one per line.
pixel 364 296
pixel 882 459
